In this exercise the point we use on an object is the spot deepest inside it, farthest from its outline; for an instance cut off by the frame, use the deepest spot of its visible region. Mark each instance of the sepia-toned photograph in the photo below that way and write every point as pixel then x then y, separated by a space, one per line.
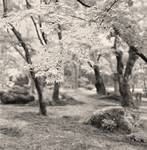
pixel 73 74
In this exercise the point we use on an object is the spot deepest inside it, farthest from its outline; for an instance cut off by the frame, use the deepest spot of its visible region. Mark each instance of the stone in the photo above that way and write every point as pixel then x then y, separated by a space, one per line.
pixel 112 119
pixel 13 98
pixel 19 90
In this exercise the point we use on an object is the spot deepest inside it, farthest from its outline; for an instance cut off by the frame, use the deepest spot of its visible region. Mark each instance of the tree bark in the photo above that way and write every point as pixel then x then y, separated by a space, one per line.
pixel 42 105
pixel 31 84
pixel 5 8
pixel 100 87
pixel 124 87
pixel 56 92
pixel 75 74
pixel 145 87
pixel 126 94
pixel 28 5
pixel 116 84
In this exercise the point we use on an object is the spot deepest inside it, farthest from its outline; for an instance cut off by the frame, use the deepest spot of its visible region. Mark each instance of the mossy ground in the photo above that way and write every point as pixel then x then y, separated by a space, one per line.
pixel 22 128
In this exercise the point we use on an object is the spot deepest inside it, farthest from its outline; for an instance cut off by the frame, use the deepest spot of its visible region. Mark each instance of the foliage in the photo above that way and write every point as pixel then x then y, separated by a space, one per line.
pixel 84 32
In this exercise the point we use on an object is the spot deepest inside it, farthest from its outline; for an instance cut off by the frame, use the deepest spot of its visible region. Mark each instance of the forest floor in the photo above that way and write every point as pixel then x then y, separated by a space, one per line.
pixel 22 128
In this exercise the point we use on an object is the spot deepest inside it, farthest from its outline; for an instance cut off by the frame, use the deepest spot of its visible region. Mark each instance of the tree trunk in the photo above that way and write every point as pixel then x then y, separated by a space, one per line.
pixel 127 95
pixel 56 92
pixel 75 74
pixel 145 87
pixel 32 73
pixel 42 104
pixel 100 87
pixel 32 86
pixel 5 8
pixel 116 84
pixel 124 87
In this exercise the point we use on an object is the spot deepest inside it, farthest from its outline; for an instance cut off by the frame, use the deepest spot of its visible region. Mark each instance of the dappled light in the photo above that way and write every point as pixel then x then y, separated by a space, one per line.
pixel 73 75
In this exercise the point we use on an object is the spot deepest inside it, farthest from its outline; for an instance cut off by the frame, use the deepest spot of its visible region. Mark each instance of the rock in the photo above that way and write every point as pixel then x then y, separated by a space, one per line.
pixel 13 98
pixel 83 82
pixel 19 90
pixel 1 93
pixel 22 80
pixel 21 84
pixel 106 113
pixel 90 87
pixel 109 124
pixel 19 79
pixel 112 119
pixel 125 125
pixel 65 96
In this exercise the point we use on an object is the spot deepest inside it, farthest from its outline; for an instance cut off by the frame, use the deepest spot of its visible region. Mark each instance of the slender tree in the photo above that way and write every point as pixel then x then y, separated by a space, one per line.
pixel 42 105
pixel 56 90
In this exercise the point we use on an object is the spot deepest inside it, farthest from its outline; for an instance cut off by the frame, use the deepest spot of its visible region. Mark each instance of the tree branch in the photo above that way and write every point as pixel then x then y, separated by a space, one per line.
pixel 82 3
pixel 108 9
pixel 42 33
pixel 89 63
pixel 138 53
pixel 59 32
pixel 98 57
pixel 23 44
pixel 141 55
pixel 19 52
pixel 28 5
pixel 77 17
pixel 38 35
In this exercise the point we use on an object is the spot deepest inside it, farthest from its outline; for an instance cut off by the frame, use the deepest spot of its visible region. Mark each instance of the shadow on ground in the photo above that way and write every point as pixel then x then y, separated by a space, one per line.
pixel 21 128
